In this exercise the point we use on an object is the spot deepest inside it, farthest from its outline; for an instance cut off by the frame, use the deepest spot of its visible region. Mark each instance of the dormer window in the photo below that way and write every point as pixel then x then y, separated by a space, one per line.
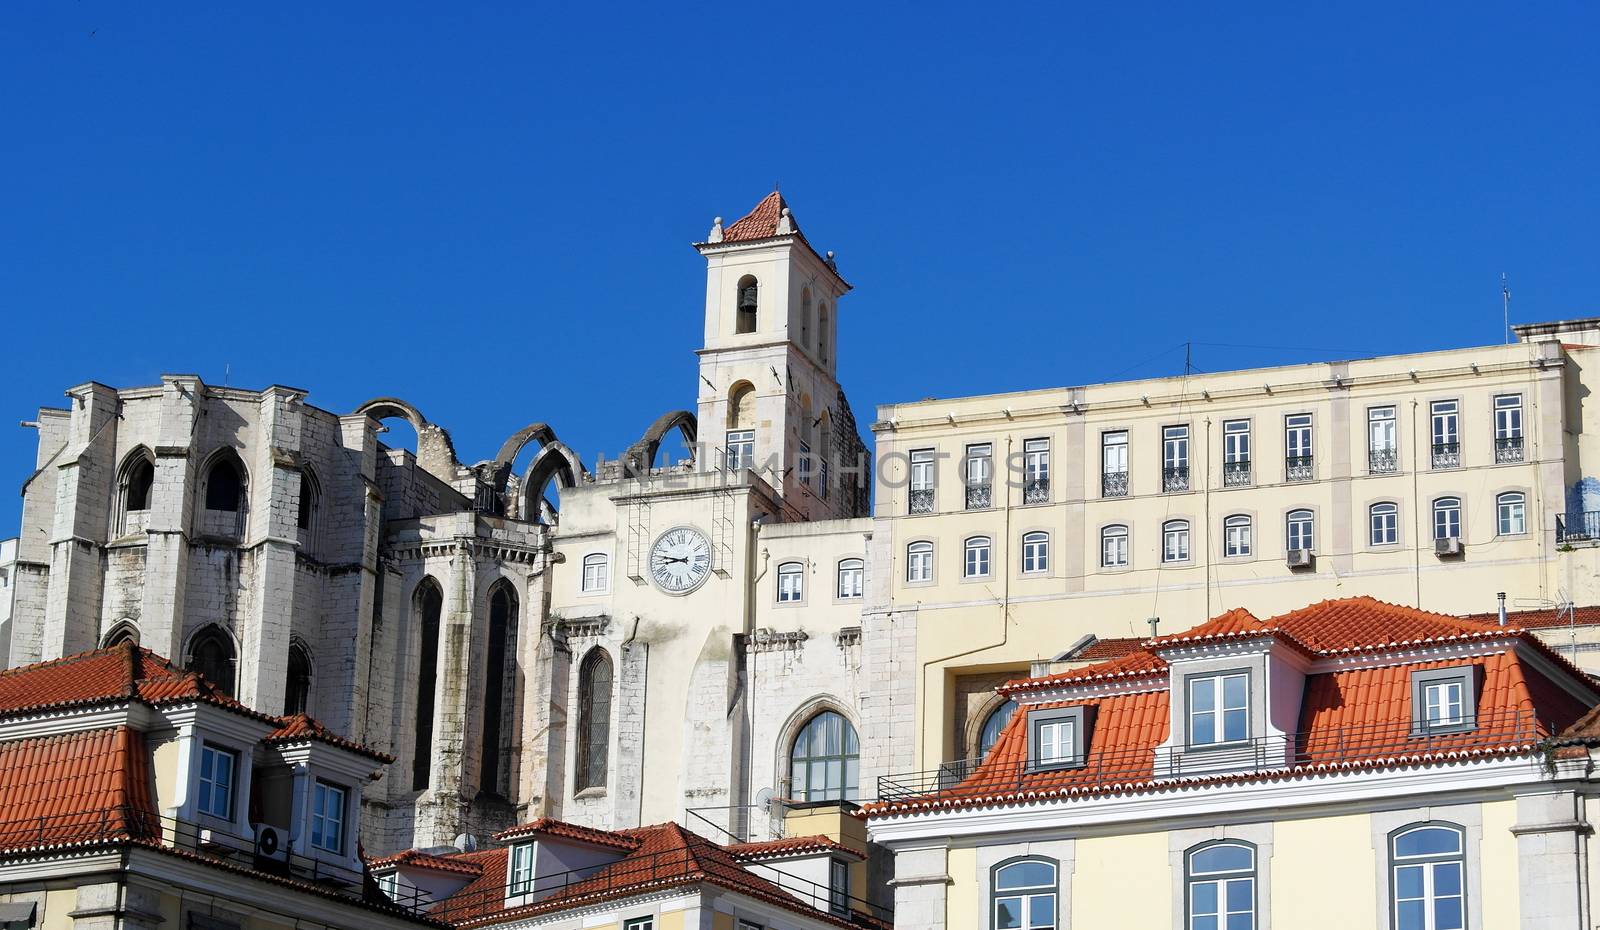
pixel 1443 700
pixel 1219 709
pixel 1056 738
pixel 521 878
pixel 217 768
pixel 327 817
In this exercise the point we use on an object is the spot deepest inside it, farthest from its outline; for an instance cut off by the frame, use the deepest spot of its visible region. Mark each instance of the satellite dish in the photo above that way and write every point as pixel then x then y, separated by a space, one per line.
pixel 466 842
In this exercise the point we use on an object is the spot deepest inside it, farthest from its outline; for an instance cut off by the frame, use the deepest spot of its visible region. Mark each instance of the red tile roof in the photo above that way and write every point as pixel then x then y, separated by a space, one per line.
pixel 666 856
pixel 416 858
pixel 1349 718
pixel 300 728
pixel 88 787
pixel 789 847
pixel 1112 648
pixel 545 826
pixel 1543 619
pixel 759 223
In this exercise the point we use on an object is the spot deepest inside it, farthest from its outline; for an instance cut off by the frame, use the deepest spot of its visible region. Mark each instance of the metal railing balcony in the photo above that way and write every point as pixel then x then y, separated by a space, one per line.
pixel 1578 527
pixel 1383 461
pixel 1175 478
pixel 1236 474
pixel 1299 468
pixel 980 496
pixel 1447 455
pixel 1036 491
pixel 1508 450
pixel 1114 484
pixel 922 500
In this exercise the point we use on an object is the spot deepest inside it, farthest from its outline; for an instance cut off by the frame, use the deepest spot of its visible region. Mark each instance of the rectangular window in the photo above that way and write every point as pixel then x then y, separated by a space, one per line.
pixel 1385 524
pixel 1443 700
pixel 803 466
pixel 791 583
pixel 741 449
pixel 1445 419
pixel 1114 464
pixel 596 572
pixel 521 868
pixel 639 923
pixel 922 462
pixel 1175 542
pixel 1055 742
pixel 1056 738
pixel 327 817
pixel 1036 471
pixel 1444 704
pixel 1301 529
pixel 1175 458
pixel 1114 547
pixel 1219 709
pixel 1382 438
pixel 1035 553
pixel 217 767
pixel 1507 429
pixel 980 475
pixel 1298 450
pixel 977 564
pixel 919 562
pixel 1235 453
pixel 1236 537
pixel 850 577
pixel 389 884
pixel 838 886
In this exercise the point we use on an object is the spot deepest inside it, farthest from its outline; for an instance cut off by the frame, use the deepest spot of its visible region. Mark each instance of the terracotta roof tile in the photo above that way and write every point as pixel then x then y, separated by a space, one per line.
pixel 1542 619
pixel 1111 648
pixel 87 787
pixel 759 223
pixel 1139 664
pixel 787 847
pixel 418 859
pixel 545 826
pixel 299 727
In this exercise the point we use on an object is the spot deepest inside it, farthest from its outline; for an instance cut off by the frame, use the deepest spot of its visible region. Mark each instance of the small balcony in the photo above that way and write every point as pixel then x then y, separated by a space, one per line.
pixel 1383 461
pixel 1578 527
pixel 1447 455
pixel 1036 491
pixel 1236 474
pixel 1299 468
pixel 1175 478
pixel 980 496
pixel 1114 484
pixel 1508 451
pixel 922 500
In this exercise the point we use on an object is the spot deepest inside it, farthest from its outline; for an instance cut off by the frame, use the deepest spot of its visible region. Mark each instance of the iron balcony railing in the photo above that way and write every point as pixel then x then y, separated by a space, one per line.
pixel 1299 468
pixel 1236 474
pixel 1578 527
pixel 1114 484
pixel 1447 455
pixel 1036 491
pixel 1333 745
pixel 922 500
pixel 1382 461
pixel 1507 449
pixel 1175 478
pixel 980 496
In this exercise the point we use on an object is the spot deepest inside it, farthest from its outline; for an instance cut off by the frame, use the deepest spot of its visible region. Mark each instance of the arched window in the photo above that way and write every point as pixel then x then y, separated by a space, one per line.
pixel 596 572
pixel 427 606
pixel 919 561
pixel 822 331
pixel 1024 893
pixel 1447 518
pixel 1384 524
pixel 138 476
pixel 1511 517
pixel 992 725
pixel 211 654
pixel 297 683
pixel 826 760
pixel 1236 533
pixel 310 498
pixel 499 690
pixel 976 563
pixel 791 583
pixel 748 297
pixel 1114 546
pixel 123 632
pixel 805 318
pixel 851 572
pixel 225 485
pixel 1300 530
pixel 1427 868
pixel 594 719
pixel 1221 883
pixel 1035 553
pixel 742 406
pixel 1175 541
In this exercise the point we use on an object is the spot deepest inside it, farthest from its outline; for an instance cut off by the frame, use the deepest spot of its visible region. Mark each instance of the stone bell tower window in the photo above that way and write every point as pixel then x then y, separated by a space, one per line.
pixel 748 298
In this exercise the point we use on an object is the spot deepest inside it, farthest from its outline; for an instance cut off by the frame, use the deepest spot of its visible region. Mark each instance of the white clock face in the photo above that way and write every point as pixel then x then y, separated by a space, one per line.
pixel 680 561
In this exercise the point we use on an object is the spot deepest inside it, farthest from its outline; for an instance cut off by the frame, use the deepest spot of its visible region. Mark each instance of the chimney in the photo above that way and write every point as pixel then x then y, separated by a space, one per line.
pixel 1502 598
pixel 1154 623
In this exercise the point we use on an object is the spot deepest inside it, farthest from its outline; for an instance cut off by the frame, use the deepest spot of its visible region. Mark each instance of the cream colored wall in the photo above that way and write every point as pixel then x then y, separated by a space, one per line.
pixel 671 920
pixel 720 921
pixel 1119 881
pixel 819 547
pixel 960 629
pixel 1501 903
pixel 58 907
pixel 961 901
pixel 1311 856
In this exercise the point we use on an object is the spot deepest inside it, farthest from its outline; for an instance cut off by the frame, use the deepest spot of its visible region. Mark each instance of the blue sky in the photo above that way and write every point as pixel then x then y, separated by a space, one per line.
pixel 488 209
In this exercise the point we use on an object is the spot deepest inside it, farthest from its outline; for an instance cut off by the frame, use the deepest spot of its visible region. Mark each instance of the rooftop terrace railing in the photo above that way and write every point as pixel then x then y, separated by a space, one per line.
pixel 1260 755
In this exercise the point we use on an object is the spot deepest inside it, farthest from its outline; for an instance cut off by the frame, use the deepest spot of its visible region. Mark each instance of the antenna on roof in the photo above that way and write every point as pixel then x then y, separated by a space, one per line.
pixel 1505 304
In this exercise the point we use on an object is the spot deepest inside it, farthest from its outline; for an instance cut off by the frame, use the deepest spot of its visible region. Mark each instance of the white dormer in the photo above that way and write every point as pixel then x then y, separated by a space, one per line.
pixel 539 863
pixel 1234 703
pixel 321 808
pixel 214 750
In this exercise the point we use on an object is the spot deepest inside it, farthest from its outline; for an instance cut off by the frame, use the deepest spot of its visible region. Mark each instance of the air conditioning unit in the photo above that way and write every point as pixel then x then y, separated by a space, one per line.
pixel 1450 545
pixel 1300 558
pixel 271 843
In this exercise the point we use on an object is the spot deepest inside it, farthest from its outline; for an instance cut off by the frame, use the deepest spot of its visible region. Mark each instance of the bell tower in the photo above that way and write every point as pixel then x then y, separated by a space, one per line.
pixel 768 388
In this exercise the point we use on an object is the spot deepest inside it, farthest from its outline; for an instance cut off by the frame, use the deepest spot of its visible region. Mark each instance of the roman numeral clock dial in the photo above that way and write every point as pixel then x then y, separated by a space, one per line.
pixel 680 561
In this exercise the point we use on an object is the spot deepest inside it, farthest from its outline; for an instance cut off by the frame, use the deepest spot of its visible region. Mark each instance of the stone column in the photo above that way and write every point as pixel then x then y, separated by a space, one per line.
pixel 272 537
pixel 116 906
pixel 921 884
pixel 454 702
pixel 1552 853
pixel 85 480
pixel 166 567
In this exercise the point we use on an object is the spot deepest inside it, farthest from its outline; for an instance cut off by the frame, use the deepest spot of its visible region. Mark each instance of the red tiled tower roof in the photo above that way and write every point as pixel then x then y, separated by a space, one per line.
pixel 759 223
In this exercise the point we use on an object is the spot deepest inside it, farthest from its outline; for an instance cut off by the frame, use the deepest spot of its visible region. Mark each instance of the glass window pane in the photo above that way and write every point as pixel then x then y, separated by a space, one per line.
pixel 1208 922
pixel 1233 691
pixel 1235 725
pixel 1203 897
pixel 1204 729
pixel 1027 874
pixel 1411 915
pixel 1241 921
pixel 1428 841
pixel 1447 878
pixel 1241 896
pixel 1222 859
pixel 1408 881
pixel 1008 913
pixel 1042 910
pixel 1202 694
pixel 1447 914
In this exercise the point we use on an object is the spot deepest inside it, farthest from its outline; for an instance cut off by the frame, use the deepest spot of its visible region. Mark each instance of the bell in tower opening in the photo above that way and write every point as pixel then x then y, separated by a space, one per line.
pixel 747 305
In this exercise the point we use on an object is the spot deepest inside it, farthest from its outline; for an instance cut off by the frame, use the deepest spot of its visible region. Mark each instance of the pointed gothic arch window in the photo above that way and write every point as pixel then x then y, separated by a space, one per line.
pixel 225 484
pixel 297 682
pixel 310 499
pixel 134 491
pixel 427 607
pixel 594 719
pixel 125 631
pixel 211 654
pixel 747 297
pixel 500 683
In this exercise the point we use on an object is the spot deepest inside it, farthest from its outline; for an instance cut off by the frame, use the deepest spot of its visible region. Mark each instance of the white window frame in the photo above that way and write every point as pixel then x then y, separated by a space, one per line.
pixel 1383 429
pixel 1429 867
pixel 1300 525
pixel 326 817
pixel 1220 884
pixel 850 579
pixel 1220 713
pixel 1447 517
pixel 980 464
pixel 1114 452
pixel 1444 422
pixel 1383 524
pixel 520 878
pixel 1508 416
pixel 919 562
pixel 1175 446
pixel 922 469
pixel 209 784
pixel 740 449
pixel 1176 542
pixel 1511 513
pixel 977 557
pixel 1298 439
pixel 1025 896
pixel 1235 441
pixel 1237 533
pixel 1114 546
pixel 1036 459
pixel 1035 553
pixel 791 582
pixel 596 573
pixel 639 923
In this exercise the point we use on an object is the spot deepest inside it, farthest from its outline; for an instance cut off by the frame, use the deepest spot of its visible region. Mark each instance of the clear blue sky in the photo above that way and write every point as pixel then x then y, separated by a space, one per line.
pixel 488 211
